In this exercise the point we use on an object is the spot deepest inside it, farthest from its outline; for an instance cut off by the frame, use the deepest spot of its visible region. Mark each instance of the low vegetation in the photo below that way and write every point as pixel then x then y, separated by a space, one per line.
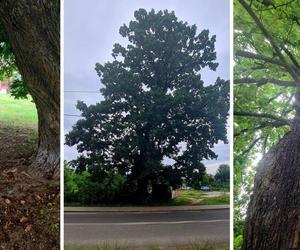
pixel 82 190
pixel 197 197
pixel 17 112
pixel 105 246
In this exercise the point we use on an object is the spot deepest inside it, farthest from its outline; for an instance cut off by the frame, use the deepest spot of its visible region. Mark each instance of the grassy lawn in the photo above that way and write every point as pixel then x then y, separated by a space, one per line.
pixel 192 246
pixel 17 112
pixel 197 197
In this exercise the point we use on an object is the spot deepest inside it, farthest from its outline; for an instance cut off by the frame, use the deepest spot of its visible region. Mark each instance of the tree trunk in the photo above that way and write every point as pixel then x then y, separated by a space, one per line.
pixel 142 193
pixel 33 29
pixel 273 216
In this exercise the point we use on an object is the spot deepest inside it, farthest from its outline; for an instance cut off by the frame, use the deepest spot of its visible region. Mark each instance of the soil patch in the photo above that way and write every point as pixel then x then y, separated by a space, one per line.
pixel 29 205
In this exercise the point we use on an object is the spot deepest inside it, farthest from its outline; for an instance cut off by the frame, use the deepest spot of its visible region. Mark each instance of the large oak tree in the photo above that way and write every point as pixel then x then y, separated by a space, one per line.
pixel 155 106
pixel 30 30
pixel 267 113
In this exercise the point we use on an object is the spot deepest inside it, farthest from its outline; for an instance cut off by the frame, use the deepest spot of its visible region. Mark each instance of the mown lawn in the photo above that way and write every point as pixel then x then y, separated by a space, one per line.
pixel 17 112
pixel 197 197
pixel 106 246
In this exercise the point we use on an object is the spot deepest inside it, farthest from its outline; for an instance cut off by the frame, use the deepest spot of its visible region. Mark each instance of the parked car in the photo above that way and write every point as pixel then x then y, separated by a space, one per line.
pixel 205 188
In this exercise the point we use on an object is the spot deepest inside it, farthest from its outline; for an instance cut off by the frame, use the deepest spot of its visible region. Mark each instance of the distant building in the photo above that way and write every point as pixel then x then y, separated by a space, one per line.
pixel 4 86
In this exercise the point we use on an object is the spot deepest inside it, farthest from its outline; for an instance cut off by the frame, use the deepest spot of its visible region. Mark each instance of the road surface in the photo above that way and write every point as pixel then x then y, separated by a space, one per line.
pixel 146 228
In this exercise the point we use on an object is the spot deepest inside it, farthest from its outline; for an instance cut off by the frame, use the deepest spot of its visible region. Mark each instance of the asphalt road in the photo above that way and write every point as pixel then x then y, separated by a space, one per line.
pixel 146 228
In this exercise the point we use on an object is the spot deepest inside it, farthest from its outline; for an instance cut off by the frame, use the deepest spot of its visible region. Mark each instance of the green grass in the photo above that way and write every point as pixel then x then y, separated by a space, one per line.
pixel 17 112
pixel 220 200
pixel 197 197
pixel 106 246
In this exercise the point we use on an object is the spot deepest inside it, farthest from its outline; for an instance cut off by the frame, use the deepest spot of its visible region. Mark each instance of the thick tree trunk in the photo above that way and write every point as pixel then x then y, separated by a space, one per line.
pixel 142 193
pixel 273 217
pixel 33 29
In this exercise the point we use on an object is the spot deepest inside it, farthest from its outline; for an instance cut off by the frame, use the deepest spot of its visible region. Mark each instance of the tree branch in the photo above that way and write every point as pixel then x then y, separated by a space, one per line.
pixel 263 115
pixel 291 56
pixel 263 81
pixel 270 39
pixel 275 124
pixel 267 59
pixel 274 97
pixel 252 145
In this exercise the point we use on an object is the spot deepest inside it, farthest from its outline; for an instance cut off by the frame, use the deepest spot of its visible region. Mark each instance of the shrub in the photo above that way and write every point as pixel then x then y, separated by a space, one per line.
pixel 79 187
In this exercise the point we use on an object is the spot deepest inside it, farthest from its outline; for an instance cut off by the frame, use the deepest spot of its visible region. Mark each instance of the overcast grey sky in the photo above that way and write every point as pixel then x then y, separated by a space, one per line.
pixel 92 27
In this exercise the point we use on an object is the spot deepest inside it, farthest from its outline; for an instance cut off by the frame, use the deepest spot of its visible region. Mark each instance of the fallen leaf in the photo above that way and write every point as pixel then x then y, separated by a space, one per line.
pixel 24 219
pixel 28 228
pixel 7 201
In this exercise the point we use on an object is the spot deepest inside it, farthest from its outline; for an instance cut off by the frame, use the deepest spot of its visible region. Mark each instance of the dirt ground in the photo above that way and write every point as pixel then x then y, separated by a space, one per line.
pixel 29 205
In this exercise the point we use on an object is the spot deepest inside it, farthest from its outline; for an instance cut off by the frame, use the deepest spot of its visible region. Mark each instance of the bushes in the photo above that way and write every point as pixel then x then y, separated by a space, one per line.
pixel 104 191
pixel 80 188
pixel 115 189
pixel 238 242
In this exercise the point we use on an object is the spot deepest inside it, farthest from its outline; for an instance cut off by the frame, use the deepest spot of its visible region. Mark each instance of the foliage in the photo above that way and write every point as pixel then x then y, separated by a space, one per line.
pixel 155 106
pixel 72 183
pixel 266 76
pixel 18 89
pixel 8 67
pixel 205 181
pixel 79 187
pixel 238 241
pixel 7 60
pixel 223 173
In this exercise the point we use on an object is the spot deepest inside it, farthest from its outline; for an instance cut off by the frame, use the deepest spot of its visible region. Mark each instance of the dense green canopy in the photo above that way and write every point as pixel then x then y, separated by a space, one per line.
pixel 156 105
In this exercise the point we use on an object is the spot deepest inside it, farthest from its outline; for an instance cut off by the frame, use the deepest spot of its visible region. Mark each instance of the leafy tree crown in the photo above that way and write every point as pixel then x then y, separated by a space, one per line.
pixel 155 104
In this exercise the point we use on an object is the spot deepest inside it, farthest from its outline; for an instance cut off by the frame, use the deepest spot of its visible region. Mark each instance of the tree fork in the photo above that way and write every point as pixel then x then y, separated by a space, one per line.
pixel 33 30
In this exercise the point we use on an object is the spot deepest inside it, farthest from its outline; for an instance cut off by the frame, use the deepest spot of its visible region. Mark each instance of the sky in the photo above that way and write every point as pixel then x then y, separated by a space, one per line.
pixel 91 28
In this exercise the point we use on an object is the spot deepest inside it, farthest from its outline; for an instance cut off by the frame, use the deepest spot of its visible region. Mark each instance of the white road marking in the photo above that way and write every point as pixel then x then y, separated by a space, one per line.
pixel 121 212
pixel 145 223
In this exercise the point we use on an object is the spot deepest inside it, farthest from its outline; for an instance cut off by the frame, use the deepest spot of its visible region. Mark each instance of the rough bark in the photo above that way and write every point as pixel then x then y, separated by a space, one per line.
pixel 273 216
pixel 33 29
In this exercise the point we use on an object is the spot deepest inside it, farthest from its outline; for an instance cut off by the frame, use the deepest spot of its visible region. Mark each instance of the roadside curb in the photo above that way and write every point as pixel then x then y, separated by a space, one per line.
pixel 145 209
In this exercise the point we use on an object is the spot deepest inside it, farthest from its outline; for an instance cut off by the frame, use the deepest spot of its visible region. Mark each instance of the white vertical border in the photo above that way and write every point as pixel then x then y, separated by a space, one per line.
pixel 231 126
pixel 61 124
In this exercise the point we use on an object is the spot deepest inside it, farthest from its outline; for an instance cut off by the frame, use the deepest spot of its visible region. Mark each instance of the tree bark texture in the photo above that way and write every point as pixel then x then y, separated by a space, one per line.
pixel 33 29
pixel 273 216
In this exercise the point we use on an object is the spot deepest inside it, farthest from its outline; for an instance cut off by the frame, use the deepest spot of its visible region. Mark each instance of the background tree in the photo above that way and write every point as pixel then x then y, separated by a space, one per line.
pixel 155 106
pixel 30 42
pixel 223 173
pixel 267 117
